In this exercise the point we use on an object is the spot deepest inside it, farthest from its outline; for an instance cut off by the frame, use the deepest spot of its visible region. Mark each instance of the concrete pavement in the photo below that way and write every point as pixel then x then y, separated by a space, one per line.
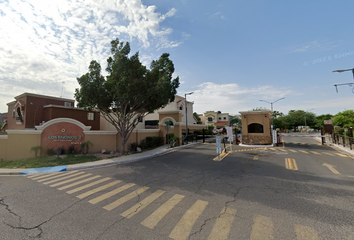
pixel 132 158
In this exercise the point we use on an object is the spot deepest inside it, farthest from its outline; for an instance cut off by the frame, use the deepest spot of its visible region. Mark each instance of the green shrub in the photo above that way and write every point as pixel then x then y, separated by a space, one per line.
pixel 50 152
pixel 85 147
pixel 61 151
pixel 71 150
pixel 151 142
pixel 133 146
pixel 36 150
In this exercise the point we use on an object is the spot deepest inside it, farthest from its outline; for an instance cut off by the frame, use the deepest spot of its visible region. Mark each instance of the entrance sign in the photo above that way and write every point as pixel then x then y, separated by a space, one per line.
pixel 62 135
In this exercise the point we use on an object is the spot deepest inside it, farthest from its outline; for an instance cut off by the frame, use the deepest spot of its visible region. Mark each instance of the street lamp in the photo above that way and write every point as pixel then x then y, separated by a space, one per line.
pixel 185 101
pixel 271 106
pixel 305 118
pixel 344 70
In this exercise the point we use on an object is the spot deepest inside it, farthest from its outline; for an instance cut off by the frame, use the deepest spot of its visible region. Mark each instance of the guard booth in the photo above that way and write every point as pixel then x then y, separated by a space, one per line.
pixel 256 127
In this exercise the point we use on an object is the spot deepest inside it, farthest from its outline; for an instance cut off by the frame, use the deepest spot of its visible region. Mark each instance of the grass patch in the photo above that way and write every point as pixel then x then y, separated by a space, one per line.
pixel 48 161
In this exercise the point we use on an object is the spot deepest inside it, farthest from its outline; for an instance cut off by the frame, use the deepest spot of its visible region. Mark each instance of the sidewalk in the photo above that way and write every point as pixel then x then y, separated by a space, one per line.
pixel 105 162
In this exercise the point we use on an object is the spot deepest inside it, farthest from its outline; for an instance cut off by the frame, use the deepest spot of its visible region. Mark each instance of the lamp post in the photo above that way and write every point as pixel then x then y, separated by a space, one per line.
pixel 271 106
pixel 185 101
pixel 305 118
pixel 344 70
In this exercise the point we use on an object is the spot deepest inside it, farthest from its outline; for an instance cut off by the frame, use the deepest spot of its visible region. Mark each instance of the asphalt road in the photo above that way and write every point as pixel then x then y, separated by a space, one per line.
pixel 301 190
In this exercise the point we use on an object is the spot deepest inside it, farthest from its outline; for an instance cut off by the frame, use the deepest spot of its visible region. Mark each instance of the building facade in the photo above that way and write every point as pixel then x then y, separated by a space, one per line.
pixel 31 110
pixel 217 119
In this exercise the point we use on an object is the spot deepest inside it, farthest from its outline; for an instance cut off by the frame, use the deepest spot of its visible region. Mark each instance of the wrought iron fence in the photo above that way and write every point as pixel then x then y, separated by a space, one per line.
pixel 343 140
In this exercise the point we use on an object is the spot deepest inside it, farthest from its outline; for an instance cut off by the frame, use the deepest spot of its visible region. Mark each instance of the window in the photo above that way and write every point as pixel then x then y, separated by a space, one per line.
pixel 224 118
pixel 210 119
pixel 219 118
pixel 90 116
pixel 14 113
pixel 255 128
pixel 68 104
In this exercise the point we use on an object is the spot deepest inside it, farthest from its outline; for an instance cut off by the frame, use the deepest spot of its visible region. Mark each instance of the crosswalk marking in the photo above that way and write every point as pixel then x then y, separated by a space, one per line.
pixel 86 194
pixel 88 185
pixel 185 224
pixel 142 204
pixel 329 154
pixel 70 180
pixel 111 193
pixel 222 226
pixel 62 178
pixel 255 157
pixel 303 151
pixel 315 152
pixel 41 175
pixel 291 150
pixel 124 199
pixel 56 176
pixel 79 182
pixel 262 228
pixel 305 233
pixel 283 150
pixel 152 220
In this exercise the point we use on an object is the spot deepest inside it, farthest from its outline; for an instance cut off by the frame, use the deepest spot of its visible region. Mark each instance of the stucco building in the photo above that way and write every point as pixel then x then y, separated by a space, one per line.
pixel 30 110
pixel 218 119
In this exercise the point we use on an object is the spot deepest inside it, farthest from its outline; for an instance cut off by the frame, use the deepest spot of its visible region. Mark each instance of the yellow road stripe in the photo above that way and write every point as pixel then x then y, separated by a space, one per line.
pixel 56 176
pixel 290 164
pixel 70 180
pixel 329 154
pixel 124 199
pixel 262 228
pixel 87 185
pixel 79 182
pixel 111 193
pixel 255 157
pixel 291 150
pixel 315 152
pixel 305 233
pixel 98 189
pixel 340 154
pixel 39 176
pixel 62 178
pixel 152 220
pixel 222 226
pixel 185 224
pixel 142 204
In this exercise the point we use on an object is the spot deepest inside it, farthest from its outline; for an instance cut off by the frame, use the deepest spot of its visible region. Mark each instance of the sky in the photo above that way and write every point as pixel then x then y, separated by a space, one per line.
pixel 229 53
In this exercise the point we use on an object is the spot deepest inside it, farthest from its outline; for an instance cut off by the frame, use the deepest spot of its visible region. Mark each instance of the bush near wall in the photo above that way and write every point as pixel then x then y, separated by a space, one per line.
pixel 151 142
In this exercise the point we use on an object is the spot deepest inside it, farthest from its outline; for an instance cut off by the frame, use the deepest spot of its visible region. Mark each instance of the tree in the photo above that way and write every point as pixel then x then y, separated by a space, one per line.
pixel 320 120
pixel 344 119
pixel 235 121
pixel 297 118
pixel 199 121
pixel 130 91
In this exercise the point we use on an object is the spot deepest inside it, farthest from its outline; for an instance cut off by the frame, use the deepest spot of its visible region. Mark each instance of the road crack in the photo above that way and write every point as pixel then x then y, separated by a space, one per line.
pixel 36 227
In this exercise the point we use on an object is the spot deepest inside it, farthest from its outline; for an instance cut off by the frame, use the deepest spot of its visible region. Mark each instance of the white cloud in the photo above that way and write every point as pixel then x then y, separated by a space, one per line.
pixel 232 98
pixel 45 43
pixel 316 45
